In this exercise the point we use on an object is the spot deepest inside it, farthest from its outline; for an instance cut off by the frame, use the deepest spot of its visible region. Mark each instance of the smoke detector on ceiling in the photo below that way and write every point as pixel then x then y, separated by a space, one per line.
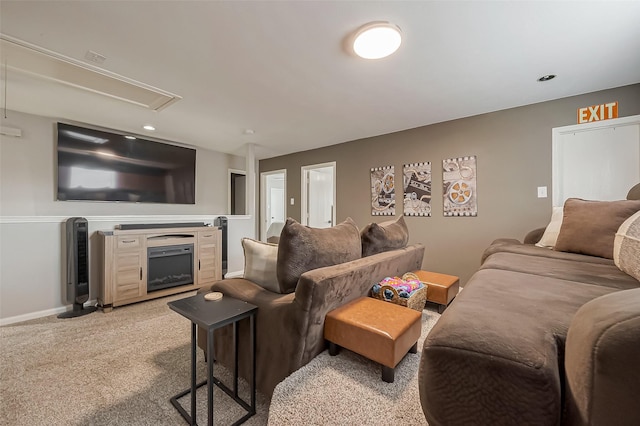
pixel 94 57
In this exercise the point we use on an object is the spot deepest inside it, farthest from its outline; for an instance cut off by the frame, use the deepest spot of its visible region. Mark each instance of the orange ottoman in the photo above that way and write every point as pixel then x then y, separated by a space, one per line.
pixel 381 331
pixel 441 288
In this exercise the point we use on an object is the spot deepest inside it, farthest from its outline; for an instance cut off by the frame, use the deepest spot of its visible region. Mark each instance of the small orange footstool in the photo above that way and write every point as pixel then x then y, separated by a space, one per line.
pixel 441 288
pixel 381 331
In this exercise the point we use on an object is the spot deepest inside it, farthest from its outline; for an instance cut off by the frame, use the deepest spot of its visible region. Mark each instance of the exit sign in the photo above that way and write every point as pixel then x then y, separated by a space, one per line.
pixel 598 112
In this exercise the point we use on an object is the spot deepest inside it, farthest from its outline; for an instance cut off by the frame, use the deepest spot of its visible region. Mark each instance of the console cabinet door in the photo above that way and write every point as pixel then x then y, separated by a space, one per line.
pixel 129 268
pixel 209 256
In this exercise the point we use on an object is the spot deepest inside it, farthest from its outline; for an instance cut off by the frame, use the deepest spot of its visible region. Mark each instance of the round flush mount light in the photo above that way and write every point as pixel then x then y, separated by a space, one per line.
pixel 547 77
pixel 130 137
pixel 148 127
pixel 377 40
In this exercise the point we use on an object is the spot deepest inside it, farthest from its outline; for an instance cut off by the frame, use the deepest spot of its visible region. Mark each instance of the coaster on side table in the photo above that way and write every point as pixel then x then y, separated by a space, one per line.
pixel 216 295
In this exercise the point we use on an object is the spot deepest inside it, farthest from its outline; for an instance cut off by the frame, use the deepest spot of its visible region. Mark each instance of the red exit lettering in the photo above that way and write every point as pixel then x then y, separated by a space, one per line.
pixel 598 112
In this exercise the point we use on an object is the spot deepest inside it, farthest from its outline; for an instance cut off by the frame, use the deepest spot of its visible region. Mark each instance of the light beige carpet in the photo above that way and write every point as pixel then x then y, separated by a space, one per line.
pixel 118 368
pixel 347 389
pixel 122 367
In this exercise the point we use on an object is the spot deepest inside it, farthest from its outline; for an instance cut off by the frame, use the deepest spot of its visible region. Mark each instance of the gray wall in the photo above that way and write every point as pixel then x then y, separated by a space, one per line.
pixel 27 178
pixel 32 242
pixel 513 149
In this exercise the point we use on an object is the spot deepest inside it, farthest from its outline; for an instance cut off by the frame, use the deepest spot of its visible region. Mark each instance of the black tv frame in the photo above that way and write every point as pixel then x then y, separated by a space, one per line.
pixel 140 170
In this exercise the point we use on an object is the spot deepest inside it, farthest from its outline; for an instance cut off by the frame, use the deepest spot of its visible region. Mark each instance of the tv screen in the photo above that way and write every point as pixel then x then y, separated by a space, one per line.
pixel 95 165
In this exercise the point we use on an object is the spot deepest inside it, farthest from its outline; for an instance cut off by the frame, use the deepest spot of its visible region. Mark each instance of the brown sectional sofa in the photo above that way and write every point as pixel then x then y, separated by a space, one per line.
pixel 289 325
pixel 537 337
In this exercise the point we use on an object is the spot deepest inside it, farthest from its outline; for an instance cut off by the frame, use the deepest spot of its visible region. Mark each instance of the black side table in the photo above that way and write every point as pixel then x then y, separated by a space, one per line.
pixel 211 315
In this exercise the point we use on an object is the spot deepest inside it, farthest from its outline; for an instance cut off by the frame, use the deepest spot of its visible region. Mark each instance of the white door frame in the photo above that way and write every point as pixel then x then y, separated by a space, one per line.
pixel 557 132
pixel 304 214
pixel 263 199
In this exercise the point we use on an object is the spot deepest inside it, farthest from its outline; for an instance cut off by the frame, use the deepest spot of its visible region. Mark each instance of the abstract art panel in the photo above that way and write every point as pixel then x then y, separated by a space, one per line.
pixel 417 189
pixel 459 190
pixel 383 198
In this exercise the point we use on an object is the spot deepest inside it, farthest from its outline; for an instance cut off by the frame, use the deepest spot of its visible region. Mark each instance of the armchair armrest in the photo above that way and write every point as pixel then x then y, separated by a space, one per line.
pixel 601 361
pixel 324 289
pixel 534 236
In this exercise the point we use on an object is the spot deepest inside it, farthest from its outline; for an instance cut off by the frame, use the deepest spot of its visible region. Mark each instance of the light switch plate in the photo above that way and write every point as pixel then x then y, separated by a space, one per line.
pixel 292 201
pixel 542 192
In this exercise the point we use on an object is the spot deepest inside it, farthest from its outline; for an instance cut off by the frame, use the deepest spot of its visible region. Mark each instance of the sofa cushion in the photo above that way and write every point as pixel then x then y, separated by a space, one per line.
pixel 302 248
pixel 384 236
pixel 589 227
pixel 514 246
pixel 581 272
pixel 626 246
pixel 634 193
pixel 552 230
pixel 501 337
pixel 260 263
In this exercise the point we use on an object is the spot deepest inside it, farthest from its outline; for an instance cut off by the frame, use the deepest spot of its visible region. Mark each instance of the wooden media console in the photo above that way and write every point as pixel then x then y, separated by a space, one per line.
pixel 136 264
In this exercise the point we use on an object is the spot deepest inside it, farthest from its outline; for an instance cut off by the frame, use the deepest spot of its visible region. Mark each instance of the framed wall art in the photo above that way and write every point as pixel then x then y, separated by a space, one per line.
pixel 383 199
pixel 417 189
pixel 459 191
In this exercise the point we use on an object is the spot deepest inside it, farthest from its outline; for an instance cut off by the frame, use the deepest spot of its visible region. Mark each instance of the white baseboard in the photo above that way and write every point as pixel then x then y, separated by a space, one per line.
pixel 40 314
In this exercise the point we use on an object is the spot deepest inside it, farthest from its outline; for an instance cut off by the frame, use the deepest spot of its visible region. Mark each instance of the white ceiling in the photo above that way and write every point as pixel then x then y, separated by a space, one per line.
pixel 280 68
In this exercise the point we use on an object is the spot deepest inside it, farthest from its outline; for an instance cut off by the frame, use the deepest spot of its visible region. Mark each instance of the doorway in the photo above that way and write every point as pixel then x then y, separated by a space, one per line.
pixel 319 195
pixel 596 161
pixel 237 192
pixel 273 206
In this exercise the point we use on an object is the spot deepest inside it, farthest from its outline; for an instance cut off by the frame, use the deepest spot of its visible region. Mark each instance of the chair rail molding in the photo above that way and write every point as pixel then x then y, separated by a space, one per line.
pixel 128 218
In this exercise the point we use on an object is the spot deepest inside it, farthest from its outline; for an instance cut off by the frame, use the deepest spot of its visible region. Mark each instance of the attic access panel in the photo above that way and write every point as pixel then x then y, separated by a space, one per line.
pixel 41 63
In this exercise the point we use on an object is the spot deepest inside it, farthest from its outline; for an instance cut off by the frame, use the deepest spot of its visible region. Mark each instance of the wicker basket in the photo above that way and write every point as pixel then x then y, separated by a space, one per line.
pixel 416 301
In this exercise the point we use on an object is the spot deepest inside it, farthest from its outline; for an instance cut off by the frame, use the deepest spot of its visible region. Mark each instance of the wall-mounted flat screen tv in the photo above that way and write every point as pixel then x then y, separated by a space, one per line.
pixel 95 165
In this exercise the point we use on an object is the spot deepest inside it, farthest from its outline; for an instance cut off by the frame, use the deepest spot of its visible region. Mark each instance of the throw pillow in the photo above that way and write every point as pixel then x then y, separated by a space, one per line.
pixel 385 236
pixel 302 248
pixel 634 193
pixel 589 227
pixel 550 235
pixel 260 263
pixel 626 246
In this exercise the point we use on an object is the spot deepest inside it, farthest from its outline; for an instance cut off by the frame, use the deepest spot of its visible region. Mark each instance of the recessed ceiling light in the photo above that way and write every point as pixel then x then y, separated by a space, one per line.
pixel 377 40
pixel 547 77
pixel 130 137
pixel 148 127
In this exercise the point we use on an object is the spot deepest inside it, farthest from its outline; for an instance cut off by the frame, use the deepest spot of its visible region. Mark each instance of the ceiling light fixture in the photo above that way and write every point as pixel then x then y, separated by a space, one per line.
pixel 130 137
pixel 148 127
pixel 377 40
pixel 547 77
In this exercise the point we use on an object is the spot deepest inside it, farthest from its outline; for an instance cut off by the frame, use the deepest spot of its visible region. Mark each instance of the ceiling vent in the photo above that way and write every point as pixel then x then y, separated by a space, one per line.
pixel 37 61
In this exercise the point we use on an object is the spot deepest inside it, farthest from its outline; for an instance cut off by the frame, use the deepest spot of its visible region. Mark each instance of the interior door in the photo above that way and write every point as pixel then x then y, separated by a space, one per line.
pixel 276 205
pixel 272 203
pixel 318 204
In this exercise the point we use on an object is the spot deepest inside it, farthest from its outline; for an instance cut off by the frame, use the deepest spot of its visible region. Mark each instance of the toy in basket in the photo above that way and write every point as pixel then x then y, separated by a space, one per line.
pixel 407 291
